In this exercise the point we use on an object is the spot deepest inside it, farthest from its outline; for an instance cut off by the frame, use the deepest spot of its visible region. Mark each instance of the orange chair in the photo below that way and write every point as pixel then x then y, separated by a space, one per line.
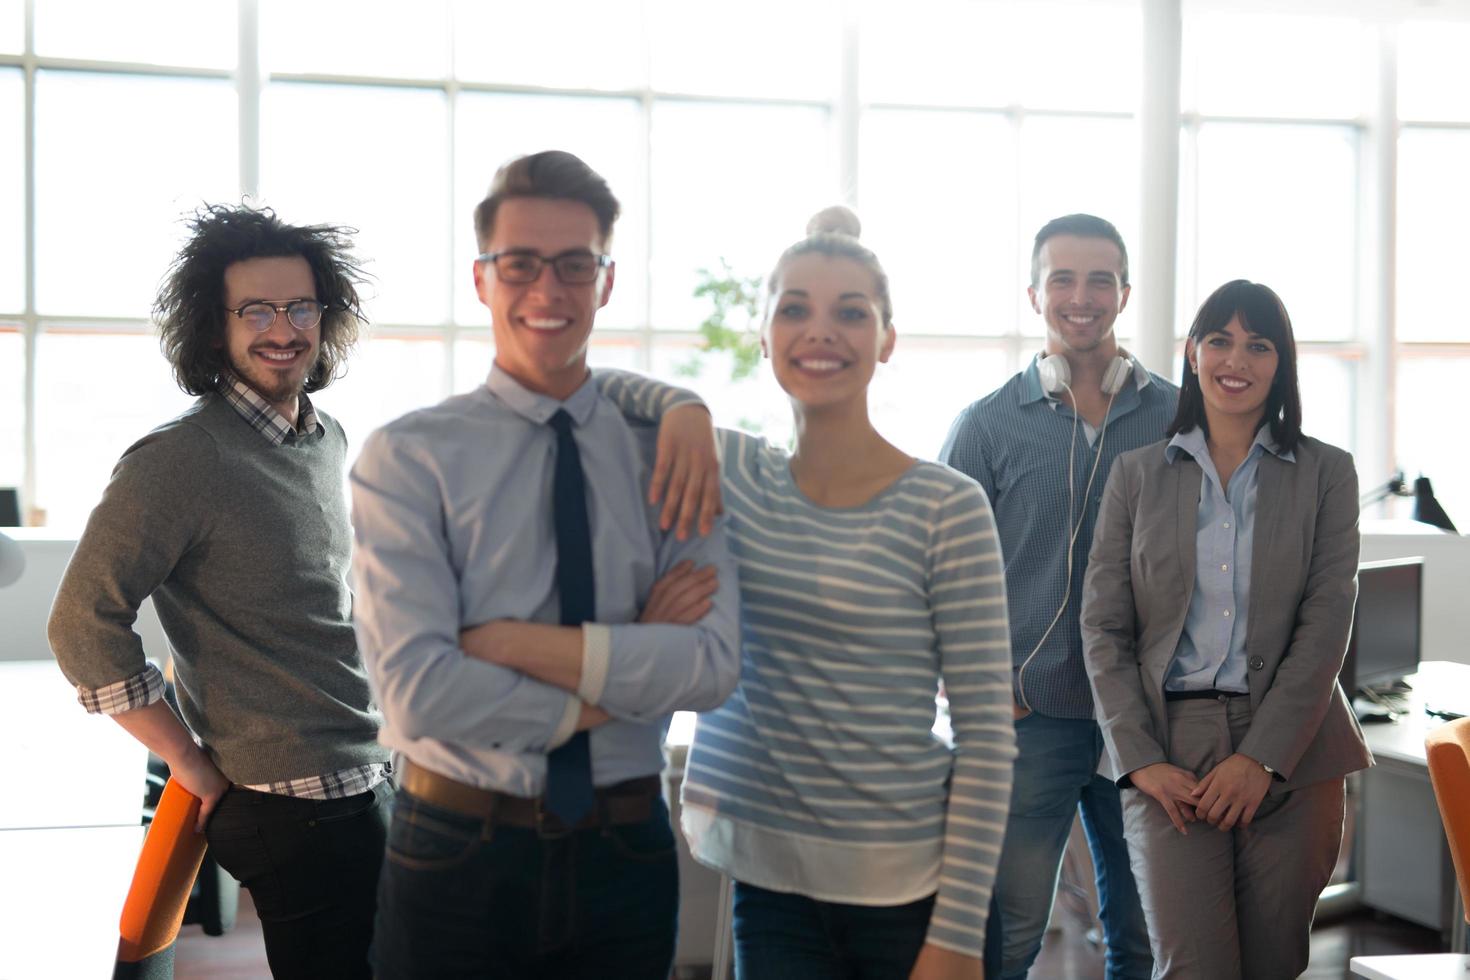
pixel 1448 751
pixel 170 860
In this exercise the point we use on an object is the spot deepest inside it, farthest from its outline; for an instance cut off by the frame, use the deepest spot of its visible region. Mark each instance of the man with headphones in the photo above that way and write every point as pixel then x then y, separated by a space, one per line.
pixel 1021 443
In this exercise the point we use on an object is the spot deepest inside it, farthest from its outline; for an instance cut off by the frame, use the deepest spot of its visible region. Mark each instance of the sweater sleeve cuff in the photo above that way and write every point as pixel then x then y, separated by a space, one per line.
pixel 567 727
pixel 596 652
pixel 138 691
pixel 679 397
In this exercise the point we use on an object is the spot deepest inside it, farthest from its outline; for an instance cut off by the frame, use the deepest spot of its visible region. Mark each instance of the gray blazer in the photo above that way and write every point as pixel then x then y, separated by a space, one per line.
pixel 1140 578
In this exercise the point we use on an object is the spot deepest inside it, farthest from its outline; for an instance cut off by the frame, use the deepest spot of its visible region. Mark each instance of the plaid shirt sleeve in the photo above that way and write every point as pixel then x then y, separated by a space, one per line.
pixel 138 691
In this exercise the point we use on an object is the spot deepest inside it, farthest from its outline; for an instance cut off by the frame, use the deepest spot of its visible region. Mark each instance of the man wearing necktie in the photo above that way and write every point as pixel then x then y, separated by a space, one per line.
pixel 529 626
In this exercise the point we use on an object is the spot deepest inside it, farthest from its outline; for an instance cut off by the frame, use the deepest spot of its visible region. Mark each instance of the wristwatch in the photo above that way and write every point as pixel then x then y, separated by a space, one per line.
pixel 1270 772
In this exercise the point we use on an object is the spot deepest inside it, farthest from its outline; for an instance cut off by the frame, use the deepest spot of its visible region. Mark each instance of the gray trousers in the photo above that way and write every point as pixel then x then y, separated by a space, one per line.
pixel 1238 904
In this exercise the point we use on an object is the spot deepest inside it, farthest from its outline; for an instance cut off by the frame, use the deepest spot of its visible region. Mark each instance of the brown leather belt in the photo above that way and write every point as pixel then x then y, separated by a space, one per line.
pixel 623 803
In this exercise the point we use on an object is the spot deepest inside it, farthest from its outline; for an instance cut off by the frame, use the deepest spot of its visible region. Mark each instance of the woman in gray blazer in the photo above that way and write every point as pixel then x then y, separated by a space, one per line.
pixel 1215 616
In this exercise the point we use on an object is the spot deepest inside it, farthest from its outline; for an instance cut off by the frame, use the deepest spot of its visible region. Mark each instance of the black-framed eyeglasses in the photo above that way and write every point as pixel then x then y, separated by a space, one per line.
pixel 303 314
pixel 572 268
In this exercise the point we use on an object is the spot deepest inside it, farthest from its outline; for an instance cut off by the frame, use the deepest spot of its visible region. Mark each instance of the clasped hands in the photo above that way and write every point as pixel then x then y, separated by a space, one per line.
pixel 1228 796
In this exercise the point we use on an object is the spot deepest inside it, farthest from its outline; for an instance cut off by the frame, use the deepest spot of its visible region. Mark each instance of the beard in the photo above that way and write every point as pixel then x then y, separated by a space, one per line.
pixel 275 386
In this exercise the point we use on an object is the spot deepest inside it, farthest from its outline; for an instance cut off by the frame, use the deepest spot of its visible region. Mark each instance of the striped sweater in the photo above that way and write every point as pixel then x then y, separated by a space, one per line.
pixel 821 775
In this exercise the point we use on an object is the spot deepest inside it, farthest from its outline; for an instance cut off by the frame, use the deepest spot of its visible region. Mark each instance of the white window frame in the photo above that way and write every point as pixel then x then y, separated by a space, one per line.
pixel 1166 183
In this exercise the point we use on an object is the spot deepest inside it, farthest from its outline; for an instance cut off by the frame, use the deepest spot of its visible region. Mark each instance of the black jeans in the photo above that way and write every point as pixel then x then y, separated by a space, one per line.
pixel 311 867
pixel 462 898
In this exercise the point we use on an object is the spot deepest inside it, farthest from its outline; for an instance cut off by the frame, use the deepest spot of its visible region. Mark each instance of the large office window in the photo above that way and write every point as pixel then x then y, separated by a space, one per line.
pixel 1432 329
pixel 12 405
pixel 103 391
pixel 12 26
pixel 741 203
pixel 1271 184
pixel 108 202
pixel 956 127
pixel 375 158
pixel 365 38
pixel 13 259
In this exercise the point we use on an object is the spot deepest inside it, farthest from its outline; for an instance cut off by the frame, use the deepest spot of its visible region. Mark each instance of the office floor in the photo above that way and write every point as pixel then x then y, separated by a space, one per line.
pixel 1067 955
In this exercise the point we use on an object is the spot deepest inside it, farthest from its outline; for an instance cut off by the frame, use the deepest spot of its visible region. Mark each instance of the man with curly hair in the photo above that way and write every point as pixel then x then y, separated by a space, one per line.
pixel 233 518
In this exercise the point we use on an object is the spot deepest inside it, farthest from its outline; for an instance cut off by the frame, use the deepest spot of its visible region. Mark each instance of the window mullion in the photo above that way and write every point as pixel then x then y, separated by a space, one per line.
pixel 1377 311
pixel 29 326
pixel 248 87
pixel 1158 130
pixel 849 110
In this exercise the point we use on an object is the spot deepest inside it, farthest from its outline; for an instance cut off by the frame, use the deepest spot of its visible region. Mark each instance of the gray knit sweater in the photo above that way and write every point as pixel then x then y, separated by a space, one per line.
pixel 245 548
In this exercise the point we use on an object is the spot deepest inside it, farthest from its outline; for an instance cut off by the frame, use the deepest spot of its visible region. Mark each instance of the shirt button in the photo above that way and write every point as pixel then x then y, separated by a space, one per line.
pixel 1227 524
pixel 1227 614
pixel 1257 663
pixel 1224 568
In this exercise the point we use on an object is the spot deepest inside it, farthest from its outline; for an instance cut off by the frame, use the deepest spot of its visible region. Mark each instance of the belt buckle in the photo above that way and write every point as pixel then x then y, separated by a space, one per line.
pixel 548 825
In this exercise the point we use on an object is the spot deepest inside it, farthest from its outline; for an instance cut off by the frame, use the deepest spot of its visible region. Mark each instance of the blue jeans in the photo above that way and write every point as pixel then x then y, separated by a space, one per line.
pixel 1055 776
pixel 781 936
pixel 460 897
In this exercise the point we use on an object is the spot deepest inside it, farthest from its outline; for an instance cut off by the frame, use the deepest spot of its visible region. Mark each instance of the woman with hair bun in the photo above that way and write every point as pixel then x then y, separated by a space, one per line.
pixel 861 844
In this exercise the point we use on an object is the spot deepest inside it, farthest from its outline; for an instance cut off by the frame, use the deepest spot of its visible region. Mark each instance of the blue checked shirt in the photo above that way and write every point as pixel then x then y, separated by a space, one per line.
pixel 1013 442
pixel 147 686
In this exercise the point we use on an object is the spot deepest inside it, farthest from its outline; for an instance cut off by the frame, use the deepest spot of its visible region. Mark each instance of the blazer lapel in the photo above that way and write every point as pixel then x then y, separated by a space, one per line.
pixel 1187 477
pixel 1265 541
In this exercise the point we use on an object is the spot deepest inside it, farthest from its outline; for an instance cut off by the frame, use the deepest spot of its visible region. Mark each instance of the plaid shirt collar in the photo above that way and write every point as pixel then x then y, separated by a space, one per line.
pixel 265 419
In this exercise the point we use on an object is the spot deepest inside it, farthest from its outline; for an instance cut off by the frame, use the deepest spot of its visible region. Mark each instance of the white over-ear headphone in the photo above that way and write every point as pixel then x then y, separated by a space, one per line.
pixel 1056 374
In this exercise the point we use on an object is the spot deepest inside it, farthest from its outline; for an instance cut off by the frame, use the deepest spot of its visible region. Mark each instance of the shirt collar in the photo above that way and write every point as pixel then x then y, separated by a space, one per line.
pixel 1031 390
pixel 263 418
pixel 1192 441
pixel 539 408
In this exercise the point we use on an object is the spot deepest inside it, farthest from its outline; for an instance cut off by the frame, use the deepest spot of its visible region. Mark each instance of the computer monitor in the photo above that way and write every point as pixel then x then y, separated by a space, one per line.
pixel 1384 644
pixel 9 507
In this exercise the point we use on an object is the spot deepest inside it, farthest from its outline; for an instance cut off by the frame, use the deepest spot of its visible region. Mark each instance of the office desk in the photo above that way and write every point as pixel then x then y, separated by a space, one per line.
pixel 1403 858
pixel 70 827
pixel 61 896
pixel 1428 966
pixel 65 768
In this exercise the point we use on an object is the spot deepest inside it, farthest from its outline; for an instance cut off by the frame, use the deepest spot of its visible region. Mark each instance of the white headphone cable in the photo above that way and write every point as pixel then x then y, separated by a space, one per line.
pixel 1072 531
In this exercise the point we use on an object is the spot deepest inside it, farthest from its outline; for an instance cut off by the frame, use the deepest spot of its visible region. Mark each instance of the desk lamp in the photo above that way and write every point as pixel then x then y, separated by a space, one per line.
pixel 1426 509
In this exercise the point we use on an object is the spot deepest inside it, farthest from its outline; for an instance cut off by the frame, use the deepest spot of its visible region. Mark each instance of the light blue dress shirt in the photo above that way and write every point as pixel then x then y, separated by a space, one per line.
pixel 452 515
pixel 1211 653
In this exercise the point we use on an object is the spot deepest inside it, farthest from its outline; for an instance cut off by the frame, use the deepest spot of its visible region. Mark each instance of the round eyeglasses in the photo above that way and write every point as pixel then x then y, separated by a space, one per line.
pixel 303 314
pixel 572 268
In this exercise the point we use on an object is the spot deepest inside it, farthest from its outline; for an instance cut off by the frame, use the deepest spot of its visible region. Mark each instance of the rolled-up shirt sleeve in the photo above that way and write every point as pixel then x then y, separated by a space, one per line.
pixel 407 617
pixel 138 691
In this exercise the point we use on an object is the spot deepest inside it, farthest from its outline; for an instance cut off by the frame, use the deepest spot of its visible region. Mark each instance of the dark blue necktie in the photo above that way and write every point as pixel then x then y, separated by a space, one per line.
pixel 569 766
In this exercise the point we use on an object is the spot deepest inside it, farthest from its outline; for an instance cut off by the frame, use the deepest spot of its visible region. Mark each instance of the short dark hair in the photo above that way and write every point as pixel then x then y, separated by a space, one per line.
pixel 1261 312
pixel 1082 226
pixel 551 174
pixel 190 307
